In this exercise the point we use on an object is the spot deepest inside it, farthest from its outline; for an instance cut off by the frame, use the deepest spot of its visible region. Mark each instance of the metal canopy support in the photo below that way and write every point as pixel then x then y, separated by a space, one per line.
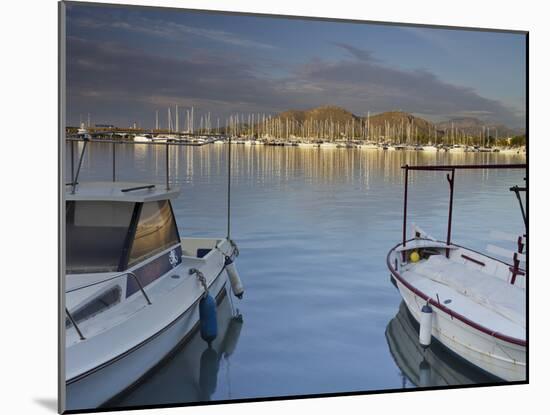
pixel 167 166
pixel 451 180
pixel 114 162
pixel 516 190
pixel 405 198
pixel 79 166
pixel 72 161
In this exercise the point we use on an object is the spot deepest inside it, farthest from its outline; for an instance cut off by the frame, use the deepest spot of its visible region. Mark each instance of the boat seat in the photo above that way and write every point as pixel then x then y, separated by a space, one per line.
pixel 500 296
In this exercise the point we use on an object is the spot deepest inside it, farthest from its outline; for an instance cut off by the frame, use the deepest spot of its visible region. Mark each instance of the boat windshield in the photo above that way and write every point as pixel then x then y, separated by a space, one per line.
pixel 96 234
pixel 155 232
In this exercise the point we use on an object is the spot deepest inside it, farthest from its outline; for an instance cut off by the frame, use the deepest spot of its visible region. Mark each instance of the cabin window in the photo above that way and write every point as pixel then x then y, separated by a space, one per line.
pixel 155 232
pixel 99 304
pixel 96 233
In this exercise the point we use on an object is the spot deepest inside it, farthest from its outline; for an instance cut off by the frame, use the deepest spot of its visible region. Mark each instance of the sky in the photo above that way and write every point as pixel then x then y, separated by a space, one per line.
pixel 125 63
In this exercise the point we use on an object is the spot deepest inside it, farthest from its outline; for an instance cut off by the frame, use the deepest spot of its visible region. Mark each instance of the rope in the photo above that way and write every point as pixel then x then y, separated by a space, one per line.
pixel 201 278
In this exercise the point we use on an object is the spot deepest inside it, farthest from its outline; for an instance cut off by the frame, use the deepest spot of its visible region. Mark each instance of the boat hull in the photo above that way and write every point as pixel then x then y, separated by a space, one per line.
pixel 498 357
pixel 113 377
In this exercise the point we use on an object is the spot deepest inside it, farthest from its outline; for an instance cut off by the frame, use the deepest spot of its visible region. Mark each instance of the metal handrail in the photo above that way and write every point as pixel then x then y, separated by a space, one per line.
pixel 112 278
pixel 73 322
pixel 140 286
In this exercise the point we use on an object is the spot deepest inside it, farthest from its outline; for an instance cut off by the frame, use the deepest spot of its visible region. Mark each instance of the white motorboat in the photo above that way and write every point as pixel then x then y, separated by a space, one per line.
pixel 134 289
pixel 472 303
pixel 195 366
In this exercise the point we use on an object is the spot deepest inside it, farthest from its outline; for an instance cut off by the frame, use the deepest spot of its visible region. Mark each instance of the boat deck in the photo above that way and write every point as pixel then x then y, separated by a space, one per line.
pixel 488 300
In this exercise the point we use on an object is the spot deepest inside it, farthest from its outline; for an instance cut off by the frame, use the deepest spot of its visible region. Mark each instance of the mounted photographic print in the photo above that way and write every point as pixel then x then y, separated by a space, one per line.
pixel 257 206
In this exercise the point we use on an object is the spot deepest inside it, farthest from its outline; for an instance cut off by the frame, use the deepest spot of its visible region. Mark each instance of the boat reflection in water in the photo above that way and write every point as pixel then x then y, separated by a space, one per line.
pixel 434 366
pixel 190 374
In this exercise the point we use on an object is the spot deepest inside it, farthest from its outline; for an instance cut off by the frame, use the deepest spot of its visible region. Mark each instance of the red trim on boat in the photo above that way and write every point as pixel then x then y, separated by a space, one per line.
pixel 452 313
pixel 475 261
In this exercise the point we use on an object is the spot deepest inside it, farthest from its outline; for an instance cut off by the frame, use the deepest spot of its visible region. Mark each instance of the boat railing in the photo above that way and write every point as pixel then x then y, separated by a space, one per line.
pixel 124 274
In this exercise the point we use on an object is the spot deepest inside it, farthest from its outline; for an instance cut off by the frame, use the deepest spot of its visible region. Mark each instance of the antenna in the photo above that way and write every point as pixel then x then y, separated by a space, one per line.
pixel 229 188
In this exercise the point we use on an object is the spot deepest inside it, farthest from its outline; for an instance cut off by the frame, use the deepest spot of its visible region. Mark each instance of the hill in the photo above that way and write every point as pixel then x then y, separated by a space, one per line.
pixel 474 127
pixel 336 114
pixel 332 122
pixel 402 124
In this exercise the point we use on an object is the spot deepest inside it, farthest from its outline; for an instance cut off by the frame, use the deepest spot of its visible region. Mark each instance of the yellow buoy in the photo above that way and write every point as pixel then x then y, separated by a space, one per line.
pixel 415 256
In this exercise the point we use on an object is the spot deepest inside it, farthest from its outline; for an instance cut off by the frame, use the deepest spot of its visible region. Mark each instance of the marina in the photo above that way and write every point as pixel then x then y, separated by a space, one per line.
pixel 337 213
pixel 393 130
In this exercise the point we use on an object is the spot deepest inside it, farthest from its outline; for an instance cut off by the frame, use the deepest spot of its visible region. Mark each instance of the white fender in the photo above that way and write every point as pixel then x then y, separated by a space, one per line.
pixel 425 333
pixel 234 279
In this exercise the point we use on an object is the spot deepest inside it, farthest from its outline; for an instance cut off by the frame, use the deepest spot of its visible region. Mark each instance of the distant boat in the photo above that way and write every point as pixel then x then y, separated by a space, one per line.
pixel 429 148
pixel 83 132
pixel 368 146
pixel 143 138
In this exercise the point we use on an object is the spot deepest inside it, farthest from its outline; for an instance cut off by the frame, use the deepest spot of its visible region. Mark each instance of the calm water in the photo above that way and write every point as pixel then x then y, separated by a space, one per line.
pixel 313 227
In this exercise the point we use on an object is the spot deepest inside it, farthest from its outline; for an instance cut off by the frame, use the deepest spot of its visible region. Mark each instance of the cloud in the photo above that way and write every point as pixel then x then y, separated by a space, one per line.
pixel 118 84
pixel 167 30
pixel 367 84
pixel 357 53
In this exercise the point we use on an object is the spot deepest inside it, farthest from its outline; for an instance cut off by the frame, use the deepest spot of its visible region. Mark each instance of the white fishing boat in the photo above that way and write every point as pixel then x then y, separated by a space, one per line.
pixel 134 288
pixel 472 303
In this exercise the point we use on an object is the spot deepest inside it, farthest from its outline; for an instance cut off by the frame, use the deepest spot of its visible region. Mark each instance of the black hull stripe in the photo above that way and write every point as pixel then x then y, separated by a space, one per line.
pixel 139 345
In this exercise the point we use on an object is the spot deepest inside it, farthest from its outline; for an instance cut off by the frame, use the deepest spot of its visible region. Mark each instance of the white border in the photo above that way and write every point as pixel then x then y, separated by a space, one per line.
pixel 29 208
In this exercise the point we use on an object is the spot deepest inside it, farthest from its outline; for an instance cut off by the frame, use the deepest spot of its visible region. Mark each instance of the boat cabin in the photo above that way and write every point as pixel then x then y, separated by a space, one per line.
pixel 112 227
